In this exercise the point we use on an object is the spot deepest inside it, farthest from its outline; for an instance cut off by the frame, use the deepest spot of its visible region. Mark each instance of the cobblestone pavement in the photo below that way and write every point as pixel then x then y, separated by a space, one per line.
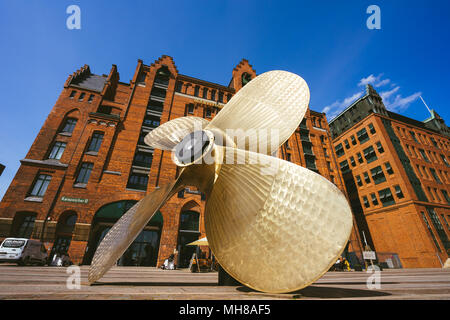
pixel 149 283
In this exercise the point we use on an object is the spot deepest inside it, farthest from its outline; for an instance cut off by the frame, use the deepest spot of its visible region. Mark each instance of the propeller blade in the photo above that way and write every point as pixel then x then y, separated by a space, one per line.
pixel 170 133
pixel 273 225
pixel 261 116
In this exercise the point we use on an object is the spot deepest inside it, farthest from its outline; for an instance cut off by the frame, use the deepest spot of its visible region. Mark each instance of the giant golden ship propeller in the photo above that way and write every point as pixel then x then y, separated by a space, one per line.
pixel 272 225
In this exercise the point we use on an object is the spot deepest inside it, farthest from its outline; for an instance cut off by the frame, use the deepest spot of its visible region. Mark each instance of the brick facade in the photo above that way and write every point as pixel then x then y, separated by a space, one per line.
pixel 387 162
pixel 124 113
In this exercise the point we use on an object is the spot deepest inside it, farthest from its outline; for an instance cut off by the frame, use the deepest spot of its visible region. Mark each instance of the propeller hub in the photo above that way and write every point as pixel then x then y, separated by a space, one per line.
pixel 192 147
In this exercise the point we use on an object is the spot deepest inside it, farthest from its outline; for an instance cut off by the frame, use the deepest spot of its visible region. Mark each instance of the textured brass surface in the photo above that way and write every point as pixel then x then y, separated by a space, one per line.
pixel 273 225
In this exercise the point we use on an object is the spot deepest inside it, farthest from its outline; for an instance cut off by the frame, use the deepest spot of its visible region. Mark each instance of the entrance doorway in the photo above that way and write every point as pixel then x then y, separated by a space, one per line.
pixel 144 249
pixel 188 232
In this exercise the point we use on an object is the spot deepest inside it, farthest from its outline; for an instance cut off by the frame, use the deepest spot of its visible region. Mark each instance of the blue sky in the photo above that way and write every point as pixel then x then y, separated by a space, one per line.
pixel 326 42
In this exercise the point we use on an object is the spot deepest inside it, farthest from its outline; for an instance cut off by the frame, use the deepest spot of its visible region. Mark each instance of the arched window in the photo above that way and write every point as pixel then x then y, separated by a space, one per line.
pixel 196 91
pixel 69 125
pixel 246 78
pixel 23 224
pixel 189 220
pixel 179 86
pixel 162 76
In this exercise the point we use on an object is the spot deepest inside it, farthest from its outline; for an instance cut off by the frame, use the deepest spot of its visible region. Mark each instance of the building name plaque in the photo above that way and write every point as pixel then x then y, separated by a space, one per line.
pixel 75 200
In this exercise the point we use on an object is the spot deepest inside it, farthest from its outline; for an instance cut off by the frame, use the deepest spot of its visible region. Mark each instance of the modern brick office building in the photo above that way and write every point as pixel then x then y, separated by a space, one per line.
pixel 396 172
pixel 89 163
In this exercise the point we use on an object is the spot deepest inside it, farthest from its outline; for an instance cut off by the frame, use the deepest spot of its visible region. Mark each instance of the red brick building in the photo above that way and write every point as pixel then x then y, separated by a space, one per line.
pixel 89 163
pixel 396 172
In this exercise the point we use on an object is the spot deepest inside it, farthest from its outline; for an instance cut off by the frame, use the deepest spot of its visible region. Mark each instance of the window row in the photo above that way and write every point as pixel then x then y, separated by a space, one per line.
pixel 81 96
pixel 202 92
pixel 422 138
pixel 427 155
pixel 362 136
pixel 422 170
pixel 376 174
pixel 57 149
pixel 369 154
pixel 385 196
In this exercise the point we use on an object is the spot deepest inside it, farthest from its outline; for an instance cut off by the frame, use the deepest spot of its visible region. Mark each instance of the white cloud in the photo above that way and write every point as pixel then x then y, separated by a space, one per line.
pixel 338 106
pixel 392 99
pixel 375 81
pixel 386 94
pixel 400 103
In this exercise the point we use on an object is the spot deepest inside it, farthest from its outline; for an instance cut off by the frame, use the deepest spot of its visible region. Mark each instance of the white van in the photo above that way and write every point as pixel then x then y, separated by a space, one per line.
pixel 23 251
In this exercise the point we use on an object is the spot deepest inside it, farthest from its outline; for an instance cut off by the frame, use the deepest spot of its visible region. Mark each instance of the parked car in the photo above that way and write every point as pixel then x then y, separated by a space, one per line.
pixel 23 251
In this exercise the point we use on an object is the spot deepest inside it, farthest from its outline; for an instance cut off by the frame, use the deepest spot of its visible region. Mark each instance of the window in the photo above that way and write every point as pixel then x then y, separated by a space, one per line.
pixel 81 97
pixel 228 97
pixel 85 172
pixel 362 136
pixel 332 179
pixel 418 170
pixel 339 150
pixel 366 177
pixel 398 192
pixel 431 231
pixel 386 197
pixel 96 142
pixel 23 227
pixel 213 94
pixel 446 223
pixel 413 135
pixel 439 228
pixel 360 158
pixel 344 166
pixel 189 220
pixel 380 147
pixel 353 140
pixel 424 155
pixel 358 181
pixel 143 159
pixel 141 77
pixel 377 175
pixel 352 161
pixel 366 202
pixel 325 152
pixel 445 194
pixel 104 109
pixel 57 151
pixel 444 159
pixel 138 181
pixel 425 171
pixel 196 91
pixel 153 121
pixel 374 199
pixel 69 125
pixel 220 96
pixel 205 93
pixel 434 142
pixel 388 168
pixel 347 145
pixel 208 112
pixel 91 97
pixel 178 86
pixel 329 166
pixel 435 176
pixel 288 157
pixel 40 185
pixel 371 128
pixel 431 193
pixel 190 108
pixel 72 94
pixel 369 154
